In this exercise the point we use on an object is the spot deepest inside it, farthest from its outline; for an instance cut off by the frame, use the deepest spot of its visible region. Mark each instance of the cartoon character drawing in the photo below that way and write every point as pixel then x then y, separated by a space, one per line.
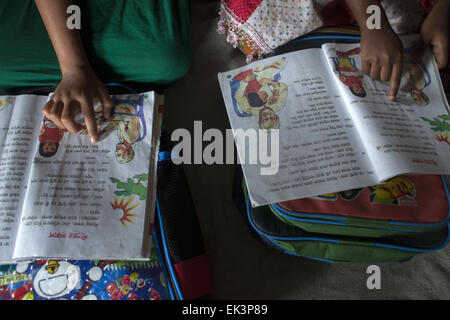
pixel 440 126
pixel 393 189
pixel 49 137
pixel 83 280
pixel 131 128
pixel 259 92
pixel 5 102
pixel 129 122
pixel 104 126
pixel 345 66
pixel 416 75
pixel 268 119
pixel 56 279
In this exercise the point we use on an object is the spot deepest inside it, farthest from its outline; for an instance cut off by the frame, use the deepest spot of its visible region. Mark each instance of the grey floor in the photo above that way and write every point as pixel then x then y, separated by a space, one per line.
pixel 243 268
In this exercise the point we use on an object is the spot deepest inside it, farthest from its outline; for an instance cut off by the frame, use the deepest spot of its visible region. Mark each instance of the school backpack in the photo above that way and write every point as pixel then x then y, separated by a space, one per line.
pixel 367 225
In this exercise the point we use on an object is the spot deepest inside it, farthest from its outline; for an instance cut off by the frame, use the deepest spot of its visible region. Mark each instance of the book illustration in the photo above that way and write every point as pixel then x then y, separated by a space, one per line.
pixel 129 122
pixel 131 126
pixel 49 137
pixel 81 280
pixel 416 75
pixel 387 193
pixel 129 189
pixel 392 190
pixel 440 126
pixel 126 207
pixel 104 126
pixel 259 92
pixel 5 102
pixel 345 67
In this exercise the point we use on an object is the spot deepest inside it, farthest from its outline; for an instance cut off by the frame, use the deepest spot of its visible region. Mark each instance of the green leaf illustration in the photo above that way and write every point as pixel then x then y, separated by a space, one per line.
pixel 437 124
pixel 142 177
pixel 130 187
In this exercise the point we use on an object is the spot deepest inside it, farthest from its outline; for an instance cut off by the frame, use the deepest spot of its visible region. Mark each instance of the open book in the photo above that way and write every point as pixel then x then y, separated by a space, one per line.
pixel 63 197
pixel 337 130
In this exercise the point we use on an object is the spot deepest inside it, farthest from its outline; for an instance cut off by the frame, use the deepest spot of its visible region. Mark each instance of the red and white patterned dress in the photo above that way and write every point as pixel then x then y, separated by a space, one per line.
pixel 260 26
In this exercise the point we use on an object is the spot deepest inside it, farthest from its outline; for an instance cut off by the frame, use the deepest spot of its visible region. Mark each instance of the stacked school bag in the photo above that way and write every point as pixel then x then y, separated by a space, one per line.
pixel 178 269
pixel 392 222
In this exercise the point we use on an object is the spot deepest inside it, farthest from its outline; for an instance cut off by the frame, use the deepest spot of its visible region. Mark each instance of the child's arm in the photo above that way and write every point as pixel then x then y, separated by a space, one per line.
pixel 434 32
pixel 381 49
pixel 79 86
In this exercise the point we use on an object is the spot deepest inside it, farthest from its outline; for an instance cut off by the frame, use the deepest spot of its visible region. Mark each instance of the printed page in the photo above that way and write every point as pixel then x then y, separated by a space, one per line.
pixel 93 201
pixel 19 125
pixel 409 135
pixel 318 150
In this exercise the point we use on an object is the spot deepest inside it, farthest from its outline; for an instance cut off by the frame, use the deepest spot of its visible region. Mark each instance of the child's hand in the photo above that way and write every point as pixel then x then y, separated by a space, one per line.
pixel 381 57
pixel 77 90
pixel 434 32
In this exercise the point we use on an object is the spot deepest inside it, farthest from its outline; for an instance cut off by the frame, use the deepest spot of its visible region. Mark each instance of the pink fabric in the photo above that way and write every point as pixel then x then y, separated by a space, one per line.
pixel 243 8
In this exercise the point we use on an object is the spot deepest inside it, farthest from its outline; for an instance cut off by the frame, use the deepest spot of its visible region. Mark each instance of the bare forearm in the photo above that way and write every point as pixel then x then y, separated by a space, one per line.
pixel 67 43
pixel 359 10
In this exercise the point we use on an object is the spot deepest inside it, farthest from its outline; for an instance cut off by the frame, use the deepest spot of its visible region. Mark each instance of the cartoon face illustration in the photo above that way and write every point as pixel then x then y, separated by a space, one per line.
pixel 56 279
pixel 49 137
pixel 124 152
pixel 268 119
pixel 257 99
pixel 49 146
pixel 357 89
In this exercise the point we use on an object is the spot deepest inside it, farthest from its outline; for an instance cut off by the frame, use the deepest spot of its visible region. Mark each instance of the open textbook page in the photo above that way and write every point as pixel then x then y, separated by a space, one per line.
pixel 409 135
pixel 320 150
pixel 83 200
pixel 337 128
pixel 18 131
